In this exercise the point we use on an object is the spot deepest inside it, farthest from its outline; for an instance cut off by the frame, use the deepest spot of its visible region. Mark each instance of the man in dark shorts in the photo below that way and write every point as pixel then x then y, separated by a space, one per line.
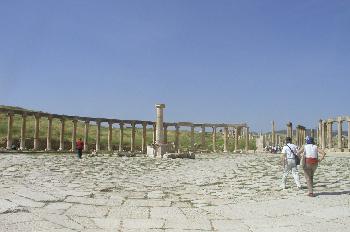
pixel 79 146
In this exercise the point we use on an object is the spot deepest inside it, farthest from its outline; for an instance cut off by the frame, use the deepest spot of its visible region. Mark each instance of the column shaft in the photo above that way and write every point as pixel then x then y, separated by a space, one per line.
pixel 121 136
pixel 98 135
pixel 23 132
pixel 49 134
pixel 340 134
pixel 159 124
pixel 247 139
pixel 74 134
pixel 86 135
pixel 144 137
pixel 273 134
pixel 324 134
pixel 348 135
pixel 203 137
pixel 154 132
pixel 110 136
pixel 177 135
pixel 236 138
pixel 9 130
pixel 36 132
pixel 225 138
pixel 62 135
pixel 214 139
pixel 192 137
pixel 132 142
pixel 330 130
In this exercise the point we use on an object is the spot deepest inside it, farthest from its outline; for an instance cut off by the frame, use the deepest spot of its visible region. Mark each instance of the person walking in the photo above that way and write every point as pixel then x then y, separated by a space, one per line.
pixel 79 147
pixel 310 152
pixel 289 151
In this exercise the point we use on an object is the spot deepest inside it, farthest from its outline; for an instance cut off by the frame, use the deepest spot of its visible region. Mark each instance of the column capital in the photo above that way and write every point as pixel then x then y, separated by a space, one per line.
pixel 133 123
pixel 87 121
pixel 24 114
pixel 121 123
pixel 10 113
pixel 37 115
pixel 74 121
pixel 110 123
pixel 62 119
pixel 160 105
pixel 144 124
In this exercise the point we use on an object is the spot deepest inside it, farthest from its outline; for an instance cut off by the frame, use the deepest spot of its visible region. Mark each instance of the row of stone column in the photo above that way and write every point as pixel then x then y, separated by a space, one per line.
pixel 74 133
pixel 300 133
pixel 110 134
pixel 326 133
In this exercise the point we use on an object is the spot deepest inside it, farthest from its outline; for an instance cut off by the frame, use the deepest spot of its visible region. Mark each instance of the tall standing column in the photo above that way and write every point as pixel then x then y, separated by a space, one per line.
pixel 49 133
pixel 273 134
pixel 132 139
pixel 177 135
pixel 192 137
pixel 36 131
pixel 121 136
pixel 159 124
pixel 203 137
pixel 214 138
pixel 297 135
pixel 225 138
pixel 290 130
pixel 348 134
pixel 109 146
pixel 74 134
pixel 9 130
pixel 330 130
pixel 23 132
pixel 98 135
pixel 86 135
pixel 144 137
pixel 319 137
pixel 61 148
pixel 165 133
pixel 247 139
pixel 340 133
pixel 324 134
pixel 236 139
pixel 154 132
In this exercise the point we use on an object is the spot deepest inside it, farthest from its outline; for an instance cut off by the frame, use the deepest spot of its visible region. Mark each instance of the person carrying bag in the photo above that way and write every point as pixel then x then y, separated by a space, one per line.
pixel 289 152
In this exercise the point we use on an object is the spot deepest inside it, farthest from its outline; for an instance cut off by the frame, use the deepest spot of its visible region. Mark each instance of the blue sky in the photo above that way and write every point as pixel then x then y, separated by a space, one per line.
pixel 208 61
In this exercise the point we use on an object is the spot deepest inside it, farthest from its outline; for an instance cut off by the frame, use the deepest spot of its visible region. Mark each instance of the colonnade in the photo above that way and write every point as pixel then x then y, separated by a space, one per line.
pixel 325 134
pixel 64 120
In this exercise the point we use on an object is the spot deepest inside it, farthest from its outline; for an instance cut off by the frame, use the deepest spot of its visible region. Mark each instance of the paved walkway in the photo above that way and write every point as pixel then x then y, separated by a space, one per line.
pixel 214 192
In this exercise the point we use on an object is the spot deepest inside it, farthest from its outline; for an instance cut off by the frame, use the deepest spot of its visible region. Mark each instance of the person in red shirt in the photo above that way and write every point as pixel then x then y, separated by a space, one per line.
pixel 79 146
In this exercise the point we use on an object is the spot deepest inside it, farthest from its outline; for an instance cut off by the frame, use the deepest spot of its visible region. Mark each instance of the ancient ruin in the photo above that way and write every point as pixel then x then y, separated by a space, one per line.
pixel 159 132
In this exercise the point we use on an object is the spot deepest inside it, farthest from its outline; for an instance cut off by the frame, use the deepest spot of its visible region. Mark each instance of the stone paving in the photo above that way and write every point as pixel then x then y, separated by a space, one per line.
pixel 214 192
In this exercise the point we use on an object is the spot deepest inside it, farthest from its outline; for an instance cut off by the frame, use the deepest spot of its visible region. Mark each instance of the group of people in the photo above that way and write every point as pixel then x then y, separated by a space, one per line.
pixel 308 156
pixel 273 149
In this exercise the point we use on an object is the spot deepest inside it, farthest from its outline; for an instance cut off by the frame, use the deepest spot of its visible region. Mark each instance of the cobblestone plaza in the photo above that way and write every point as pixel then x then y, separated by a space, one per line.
pixel 214 192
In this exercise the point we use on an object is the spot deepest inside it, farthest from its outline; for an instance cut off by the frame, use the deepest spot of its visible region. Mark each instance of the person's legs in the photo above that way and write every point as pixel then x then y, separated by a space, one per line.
pixel 312 172
pixel 286 171
pixel 307 172
pixel 295 174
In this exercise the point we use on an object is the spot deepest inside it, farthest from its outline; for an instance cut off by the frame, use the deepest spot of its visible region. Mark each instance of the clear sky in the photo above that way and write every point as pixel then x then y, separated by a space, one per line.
pixel 208 61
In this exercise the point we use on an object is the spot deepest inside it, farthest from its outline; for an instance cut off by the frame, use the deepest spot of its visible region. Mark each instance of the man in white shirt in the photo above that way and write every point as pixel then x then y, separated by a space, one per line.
pixel 289 151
